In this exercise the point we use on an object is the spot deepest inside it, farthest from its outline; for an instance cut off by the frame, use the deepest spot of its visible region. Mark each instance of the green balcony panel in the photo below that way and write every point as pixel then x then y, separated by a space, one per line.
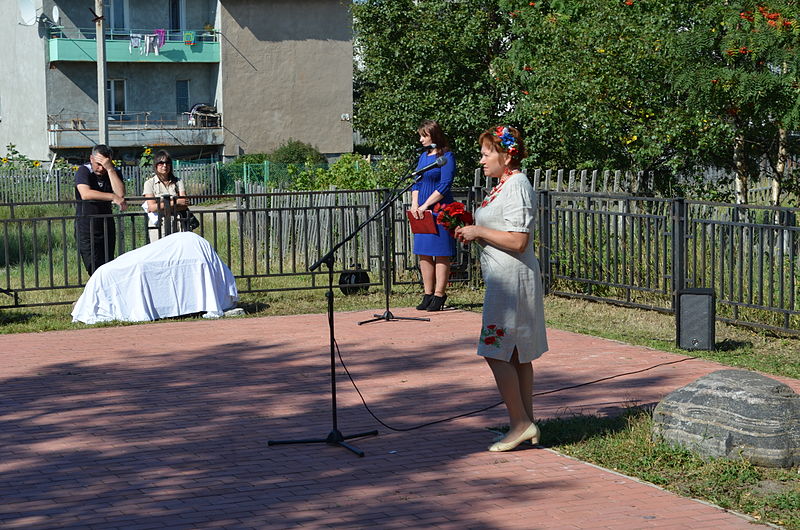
pixel 117 51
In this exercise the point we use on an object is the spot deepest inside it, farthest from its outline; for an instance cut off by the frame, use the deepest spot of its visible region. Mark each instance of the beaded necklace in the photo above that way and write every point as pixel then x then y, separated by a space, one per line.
pixel 496 190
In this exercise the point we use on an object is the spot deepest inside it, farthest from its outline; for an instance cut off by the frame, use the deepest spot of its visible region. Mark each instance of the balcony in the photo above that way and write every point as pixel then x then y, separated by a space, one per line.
pixel 136 129
pixel 129 46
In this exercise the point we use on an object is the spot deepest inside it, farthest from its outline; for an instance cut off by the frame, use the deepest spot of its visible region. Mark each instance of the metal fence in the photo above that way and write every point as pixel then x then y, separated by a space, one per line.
pixel 633 251
pixel 272 174
pixel 288 231
pixel 268 240
pixel 639 251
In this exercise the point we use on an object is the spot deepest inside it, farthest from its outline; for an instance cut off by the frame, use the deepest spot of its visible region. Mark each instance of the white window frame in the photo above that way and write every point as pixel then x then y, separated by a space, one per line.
pixel 111 96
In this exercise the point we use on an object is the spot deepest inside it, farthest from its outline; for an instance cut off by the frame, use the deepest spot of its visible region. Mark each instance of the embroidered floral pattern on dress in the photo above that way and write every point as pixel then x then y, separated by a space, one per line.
pixel 491 335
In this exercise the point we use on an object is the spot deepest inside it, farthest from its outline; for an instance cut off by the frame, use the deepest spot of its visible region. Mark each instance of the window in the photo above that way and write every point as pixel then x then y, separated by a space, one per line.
pixel 182 95
pixel 176 15
pixel 115 96
pixel 115 13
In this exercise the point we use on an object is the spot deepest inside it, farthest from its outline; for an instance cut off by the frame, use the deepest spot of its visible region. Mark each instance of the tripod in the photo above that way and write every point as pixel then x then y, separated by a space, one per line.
pixel 335 437
pixel 388 267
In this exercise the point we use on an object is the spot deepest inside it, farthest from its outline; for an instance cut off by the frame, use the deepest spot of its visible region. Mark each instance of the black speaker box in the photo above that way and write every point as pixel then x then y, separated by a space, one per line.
pixel 695 318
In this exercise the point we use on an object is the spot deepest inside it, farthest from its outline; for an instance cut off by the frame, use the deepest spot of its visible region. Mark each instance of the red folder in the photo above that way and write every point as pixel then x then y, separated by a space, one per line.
pixel 426 225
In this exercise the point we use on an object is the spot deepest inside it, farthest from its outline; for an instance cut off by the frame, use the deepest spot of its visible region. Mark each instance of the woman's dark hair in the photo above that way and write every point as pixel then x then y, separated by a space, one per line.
pixel 492 137
pixel 163 156
pixel 432 129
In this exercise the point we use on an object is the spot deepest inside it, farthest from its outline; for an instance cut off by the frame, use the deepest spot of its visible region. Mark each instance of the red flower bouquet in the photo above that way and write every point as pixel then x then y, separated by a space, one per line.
pixel 453 215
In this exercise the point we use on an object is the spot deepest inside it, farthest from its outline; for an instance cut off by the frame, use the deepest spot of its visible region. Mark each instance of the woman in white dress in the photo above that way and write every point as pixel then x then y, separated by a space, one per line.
pixel 513 330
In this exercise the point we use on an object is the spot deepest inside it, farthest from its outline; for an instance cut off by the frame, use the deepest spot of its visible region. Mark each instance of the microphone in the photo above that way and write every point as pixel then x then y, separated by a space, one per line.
pixel 425 148
pixel 438 163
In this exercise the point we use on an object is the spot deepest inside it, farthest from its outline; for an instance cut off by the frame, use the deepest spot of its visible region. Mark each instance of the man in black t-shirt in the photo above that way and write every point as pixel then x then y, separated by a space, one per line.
pixel 97 185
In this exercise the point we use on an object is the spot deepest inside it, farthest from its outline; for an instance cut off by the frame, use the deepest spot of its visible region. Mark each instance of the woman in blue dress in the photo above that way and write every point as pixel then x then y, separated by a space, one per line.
pixel 434 250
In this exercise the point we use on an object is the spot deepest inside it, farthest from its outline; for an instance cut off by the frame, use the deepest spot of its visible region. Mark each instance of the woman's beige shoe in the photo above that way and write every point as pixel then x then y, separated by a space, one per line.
pixel 531 433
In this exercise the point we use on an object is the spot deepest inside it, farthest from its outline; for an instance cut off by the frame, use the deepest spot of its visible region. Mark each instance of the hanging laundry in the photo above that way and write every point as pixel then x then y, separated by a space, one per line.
pixel 162 37
pixel 188 38
pixel 136 42
pixel 150 44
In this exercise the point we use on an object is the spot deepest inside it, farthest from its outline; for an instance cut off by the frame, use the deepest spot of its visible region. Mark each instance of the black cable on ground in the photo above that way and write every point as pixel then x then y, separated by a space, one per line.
pixel 451 418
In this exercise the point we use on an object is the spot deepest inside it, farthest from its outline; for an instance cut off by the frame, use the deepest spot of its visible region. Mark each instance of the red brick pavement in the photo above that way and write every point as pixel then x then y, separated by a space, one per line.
pixel 166 425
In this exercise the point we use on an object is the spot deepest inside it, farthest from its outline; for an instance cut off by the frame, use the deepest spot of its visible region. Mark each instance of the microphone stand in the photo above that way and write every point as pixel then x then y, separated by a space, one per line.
pixel 335 437
pixel 387 315
pixel 387 261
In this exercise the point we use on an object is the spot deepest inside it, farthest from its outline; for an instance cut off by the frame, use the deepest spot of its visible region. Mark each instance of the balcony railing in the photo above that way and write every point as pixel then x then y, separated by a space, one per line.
pixel 171 35
pixel 131 45
pixel 136 128
pixel 136 120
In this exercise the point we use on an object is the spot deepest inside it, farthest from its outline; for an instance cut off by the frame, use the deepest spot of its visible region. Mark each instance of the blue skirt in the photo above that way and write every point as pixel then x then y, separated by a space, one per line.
pixel 441 244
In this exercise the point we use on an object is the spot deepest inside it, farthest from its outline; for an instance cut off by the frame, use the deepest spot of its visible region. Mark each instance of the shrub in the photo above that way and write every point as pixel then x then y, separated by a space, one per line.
pixel 289 162
pixel 254 158
pixel 350 172
pixel 296 152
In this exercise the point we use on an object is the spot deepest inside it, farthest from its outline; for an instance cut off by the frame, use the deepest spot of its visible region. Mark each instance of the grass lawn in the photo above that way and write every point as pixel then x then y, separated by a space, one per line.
pixel 622 443
pixel 738 347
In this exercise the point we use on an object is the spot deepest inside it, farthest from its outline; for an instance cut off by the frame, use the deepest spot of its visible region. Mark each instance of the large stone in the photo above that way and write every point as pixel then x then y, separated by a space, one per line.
pixel 733 414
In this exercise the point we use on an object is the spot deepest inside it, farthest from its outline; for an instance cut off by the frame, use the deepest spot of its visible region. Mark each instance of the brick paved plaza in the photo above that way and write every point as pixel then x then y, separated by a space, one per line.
pixel 166 425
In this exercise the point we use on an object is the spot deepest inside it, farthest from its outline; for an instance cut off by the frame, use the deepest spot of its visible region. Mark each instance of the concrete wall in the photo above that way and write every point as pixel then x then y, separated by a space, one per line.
pixel 72 86
pixel 142 14
pixel 74 13
pixel 287 72
pixel 152 87
pixel 23 120
pixel 72 89
pixel 154 14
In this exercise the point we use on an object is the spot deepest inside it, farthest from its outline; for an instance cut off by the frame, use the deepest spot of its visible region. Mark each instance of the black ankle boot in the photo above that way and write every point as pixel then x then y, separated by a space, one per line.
pixel 437 303
pixel 426 301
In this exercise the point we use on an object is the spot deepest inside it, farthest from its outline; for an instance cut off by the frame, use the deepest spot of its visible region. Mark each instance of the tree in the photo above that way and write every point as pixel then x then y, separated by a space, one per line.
pixel 427 59
pixel 592 86
pixel 658 85
pixel 739 61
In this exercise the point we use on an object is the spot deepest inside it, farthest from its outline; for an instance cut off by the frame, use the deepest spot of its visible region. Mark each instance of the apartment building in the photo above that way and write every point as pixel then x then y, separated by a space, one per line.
pixel 201 78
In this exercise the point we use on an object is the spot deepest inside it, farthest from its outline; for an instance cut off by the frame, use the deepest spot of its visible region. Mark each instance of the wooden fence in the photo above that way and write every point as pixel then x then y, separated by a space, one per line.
pixel 34 185
pixel 284 218
pixel 606 181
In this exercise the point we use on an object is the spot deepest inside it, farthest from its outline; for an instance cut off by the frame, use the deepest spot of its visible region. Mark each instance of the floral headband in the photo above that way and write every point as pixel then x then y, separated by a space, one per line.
pixel 507 139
